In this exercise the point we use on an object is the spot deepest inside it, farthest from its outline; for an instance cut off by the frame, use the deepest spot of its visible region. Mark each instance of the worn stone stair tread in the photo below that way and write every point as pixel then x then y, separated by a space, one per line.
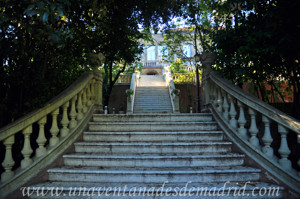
pixel 152 144
pixel 154 136
pixel 173 133
pixel 155 123
pixel 161 171
pixel 100 156
pixel 143 115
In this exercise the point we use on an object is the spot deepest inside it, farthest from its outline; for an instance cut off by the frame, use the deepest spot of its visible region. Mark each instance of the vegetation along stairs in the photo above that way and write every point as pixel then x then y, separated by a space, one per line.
pixel 156 156
pixel 152 95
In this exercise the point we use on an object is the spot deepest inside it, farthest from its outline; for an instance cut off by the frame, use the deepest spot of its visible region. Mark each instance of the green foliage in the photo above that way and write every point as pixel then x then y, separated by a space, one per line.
pixel 38 53
pixel 260 44
pixel 45 45
pixel 177 67
pixel 185 78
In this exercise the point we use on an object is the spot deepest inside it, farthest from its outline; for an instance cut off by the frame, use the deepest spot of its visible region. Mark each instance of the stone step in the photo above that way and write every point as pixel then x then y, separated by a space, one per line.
pixel 154 175
pixel 122 161
pixel 152 101
pixel 161 91
pixel 152 111
pixel 149 104
pixel 152 88
pixel 157 98
pixel 189 136
pixel 152 126
pixel 150 108
pixel 183 117
pixel 151 148
pixel 145 101
pixel 162 190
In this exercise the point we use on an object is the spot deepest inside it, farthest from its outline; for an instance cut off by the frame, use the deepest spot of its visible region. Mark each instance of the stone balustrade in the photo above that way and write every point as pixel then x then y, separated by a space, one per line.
pixel 267 135
pixel 184 78
pixel 65 117
pixel 173 91
pixel 130 97
pixel 124 79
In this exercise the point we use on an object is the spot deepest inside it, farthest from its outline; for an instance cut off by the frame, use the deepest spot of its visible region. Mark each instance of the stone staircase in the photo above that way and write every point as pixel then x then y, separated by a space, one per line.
pixel 154 156
pixel 152 95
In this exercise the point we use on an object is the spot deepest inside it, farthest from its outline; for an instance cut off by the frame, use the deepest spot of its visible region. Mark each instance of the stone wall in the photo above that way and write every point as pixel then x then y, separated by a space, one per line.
pixel 188 97
pixel 118 98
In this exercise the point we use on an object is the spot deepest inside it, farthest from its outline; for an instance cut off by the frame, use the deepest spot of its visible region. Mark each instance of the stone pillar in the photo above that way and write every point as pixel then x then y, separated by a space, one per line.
pixel 207 60
pixel 98 89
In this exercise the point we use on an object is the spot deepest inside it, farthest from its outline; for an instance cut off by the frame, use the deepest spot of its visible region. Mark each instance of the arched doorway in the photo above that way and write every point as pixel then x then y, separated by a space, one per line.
pixel 151 72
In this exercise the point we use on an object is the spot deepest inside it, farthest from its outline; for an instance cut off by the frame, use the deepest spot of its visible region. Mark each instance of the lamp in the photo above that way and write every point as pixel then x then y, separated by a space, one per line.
pixel 198 59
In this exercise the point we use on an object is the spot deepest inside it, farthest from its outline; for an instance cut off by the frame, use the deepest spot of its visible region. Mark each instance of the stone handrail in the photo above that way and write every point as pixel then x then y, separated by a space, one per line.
pixel 131 95
pixel 174 93
pixel 124 79
pixel 187 78
pixel 230 105
pixel 66 115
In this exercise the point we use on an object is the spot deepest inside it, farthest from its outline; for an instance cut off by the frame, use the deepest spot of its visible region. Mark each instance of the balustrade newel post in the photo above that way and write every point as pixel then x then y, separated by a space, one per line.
pixel 54 129
pixel 8 161
pixel 253 129
pixel 242 121
pixel 41 140
pixel 232 113
pixel 27 150
pixel 98 89
pixel 284 150
pixel 65 121
pixel 267 138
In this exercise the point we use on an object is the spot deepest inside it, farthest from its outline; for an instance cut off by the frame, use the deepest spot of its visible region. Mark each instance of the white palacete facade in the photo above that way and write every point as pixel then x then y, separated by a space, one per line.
pixel 153 55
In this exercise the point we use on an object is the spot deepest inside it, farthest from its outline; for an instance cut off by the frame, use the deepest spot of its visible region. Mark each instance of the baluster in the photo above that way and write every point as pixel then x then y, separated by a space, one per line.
pixel 41 140
pixel 8 161
pixel 65 120
pixel 79 106
pixel 284 150
pixel 73 113
pixel 225 107
pixel 232 113
pixel 88 95
pixel 27 150
pixel 267 138
pixel 242 121
pixel 54 128
pixel 219 101
pixel 84 101
pixel 253 129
